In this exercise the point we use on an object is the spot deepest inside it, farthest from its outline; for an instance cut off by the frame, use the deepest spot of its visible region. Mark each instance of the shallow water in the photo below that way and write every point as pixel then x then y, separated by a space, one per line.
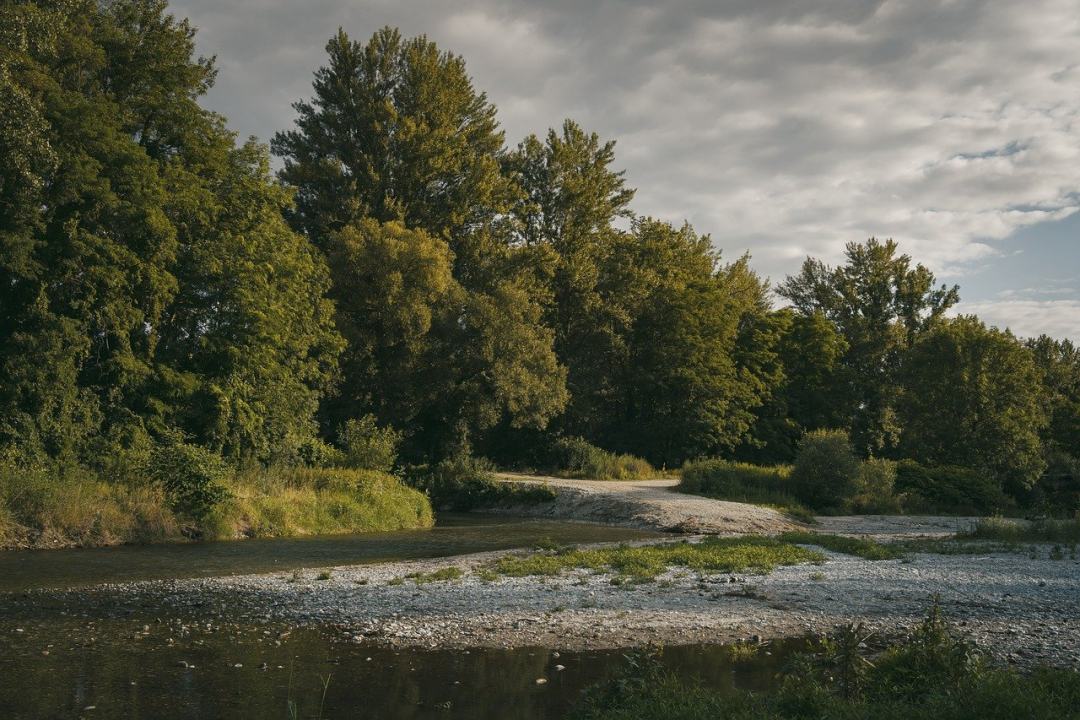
pixel 454 534
pixel 115 669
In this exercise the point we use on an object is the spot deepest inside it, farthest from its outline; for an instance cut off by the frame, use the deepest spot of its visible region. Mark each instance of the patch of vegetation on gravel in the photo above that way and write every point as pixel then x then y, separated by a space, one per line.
pixel 860 547
pixel 934 674
pixel 1046 530
pixel 725 555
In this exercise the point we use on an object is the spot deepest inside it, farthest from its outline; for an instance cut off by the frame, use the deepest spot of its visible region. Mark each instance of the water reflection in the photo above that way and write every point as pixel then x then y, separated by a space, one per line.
pixel 253 672
pixel 453 535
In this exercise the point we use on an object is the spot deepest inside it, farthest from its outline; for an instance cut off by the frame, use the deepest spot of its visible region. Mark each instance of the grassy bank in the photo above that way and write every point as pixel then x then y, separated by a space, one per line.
pixel 40 509
pixel 932 675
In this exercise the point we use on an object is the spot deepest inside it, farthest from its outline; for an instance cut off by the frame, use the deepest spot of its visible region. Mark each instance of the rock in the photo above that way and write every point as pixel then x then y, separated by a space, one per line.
pixel 541 681
pixel 560 668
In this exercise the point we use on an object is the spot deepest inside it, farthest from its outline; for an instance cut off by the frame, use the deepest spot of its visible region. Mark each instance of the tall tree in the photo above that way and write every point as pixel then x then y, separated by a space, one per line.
pixel 973 396
pixel 396 131
pixel 565 218
pixel 127 204
pixel 880 304
pixel 397 135
pixel 683 376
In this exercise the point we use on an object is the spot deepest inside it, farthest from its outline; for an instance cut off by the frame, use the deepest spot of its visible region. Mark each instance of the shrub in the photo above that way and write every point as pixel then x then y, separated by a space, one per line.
pixel 577 457
pixel 318 454
pixel 743 482
pixel 469 484
pixel 191 476
pixel 874 491
pixel 949 489
pixel 310 501
pixel 826 472
pixel 368 446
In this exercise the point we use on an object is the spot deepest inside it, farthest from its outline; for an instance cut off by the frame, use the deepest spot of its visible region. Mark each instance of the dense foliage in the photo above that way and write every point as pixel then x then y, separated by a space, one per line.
pixel 411 290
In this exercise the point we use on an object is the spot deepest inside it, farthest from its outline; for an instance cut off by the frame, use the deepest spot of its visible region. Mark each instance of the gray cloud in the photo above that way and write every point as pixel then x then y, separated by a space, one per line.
pixel 786 128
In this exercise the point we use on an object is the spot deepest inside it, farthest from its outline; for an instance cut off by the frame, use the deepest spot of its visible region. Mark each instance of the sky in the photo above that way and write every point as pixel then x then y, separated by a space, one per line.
pixel 785 128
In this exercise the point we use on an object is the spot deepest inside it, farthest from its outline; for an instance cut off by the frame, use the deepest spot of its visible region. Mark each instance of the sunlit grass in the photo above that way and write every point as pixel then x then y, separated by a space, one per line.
pixel 721 555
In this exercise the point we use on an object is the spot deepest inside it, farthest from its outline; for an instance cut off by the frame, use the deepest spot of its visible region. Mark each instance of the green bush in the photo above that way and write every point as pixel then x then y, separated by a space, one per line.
pixel 318 454
pixel 577 457
pixel 826 472
pixel 192 477
pixel 949 489
pixel 875 488
pixel 281 502
pixel 743 482
pixel 368 446
pixel 465 484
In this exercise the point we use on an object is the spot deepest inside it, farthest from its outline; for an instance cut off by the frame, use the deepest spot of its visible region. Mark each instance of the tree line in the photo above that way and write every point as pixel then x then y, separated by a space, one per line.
pixel 407 269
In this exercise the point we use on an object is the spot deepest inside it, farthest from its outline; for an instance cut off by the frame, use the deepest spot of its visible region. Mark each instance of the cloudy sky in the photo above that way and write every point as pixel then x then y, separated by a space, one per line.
pixel 783 127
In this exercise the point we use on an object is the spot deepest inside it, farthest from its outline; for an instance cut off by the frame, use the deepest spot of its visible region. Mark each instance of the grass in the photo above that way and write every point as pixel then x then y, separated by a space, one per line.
pixel 316 502
pixel 646 562
pixel 577 458
pixel 469 484
pixel 46 508
pixel 860 547
pixel 744 482
pixel 1013 531
pixel 443 575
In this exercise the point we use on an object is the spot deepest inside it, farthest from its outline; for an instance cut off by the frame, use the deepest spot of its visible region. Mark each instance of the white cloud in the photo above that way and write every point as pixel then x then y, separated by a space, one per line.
pixel 1030 318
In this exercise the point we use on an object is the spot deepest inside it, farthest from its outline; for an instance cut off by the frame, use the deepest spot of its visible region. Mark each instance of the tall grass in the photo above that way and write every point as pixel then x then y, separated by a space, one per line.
pixel 743 482
pixel 67 507
pixel 324 501
pixel 1013 531
pixel 578 458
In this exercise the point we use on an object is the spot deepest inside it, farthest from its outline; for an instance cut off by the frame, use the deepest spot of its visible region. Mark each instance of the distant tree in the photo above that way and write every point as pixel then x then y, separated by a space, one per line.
pixel 679 385
pixel 809 389
pixel 881 305
pixel 973 397
pixel 1059 363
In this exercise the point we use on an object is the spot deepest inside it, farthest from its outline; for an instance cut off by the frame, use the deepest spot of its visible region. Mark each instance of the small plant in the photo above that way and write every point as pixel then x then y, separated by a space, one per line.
pixel 324 575
pixel 368 446
pixel 860 547
pixel 445 574
pixel 817 576
pixel 396 581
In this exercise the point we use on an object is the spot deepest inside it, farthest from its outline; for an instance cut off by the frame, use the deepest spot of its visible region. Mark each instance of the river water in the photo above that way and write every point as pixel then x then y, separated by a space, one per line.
pixel 60 659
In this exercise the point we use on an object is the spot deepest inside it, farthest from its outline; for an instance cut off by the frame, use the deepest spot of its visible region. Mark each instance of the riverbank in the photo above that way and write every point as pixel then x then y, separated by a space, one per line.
pixel 1022 608
pixel 42 512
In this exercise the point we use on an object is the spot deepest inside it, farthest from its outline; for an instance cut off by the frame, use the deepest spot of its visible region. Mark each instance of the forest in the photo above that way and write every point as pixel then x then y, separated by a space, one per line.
pixel 194 344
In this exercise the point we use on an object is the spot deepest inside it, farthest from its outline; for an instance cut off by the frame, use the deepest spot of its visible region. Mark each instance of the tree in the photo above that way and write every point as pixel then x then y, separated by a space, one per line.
pixel 570 200
pixel 881 305
pixel 396 132
pixel 677 383
pixel 148 286
pixel 973 397
pixel 396 163
pixel 809 389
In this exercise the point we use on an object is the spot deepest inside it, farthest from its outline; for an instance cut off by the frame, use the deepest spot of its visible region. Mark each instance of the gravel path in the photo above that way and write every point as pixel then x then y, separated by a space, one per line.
pixel 651 504
pixel 1024 609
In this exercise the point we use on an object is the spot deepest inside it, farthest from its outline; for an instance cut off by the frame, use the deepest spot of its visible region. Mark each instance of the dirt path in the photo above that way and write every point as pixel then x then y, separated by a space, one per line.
pixel 653 505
